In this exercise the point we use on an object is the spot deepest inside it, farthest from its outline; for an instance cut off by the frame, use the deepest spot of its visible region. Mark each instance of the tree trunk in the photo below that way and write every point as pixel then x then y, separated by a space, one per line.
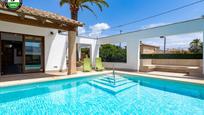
pixel 72 69
pixel 74 16
pixel 72 52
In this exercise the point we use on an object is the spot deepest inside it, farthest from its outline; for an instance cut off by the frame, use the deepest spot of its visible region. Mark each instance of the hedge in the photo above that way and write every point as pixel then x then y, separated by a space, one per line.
pixel 112 53
pixel 171 56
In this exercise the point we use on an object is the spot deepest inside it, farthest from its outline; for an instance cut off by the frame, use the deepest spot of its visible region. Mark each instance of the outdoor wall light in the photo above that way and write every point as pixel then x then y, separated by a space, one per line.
pixel 62 32
pixel 51 33
pixel 59 31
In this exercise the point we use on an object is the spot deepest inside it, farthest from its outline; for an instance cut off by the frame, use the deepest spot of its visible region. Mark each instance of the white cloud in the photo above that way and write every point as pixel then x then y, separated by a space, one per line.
pixel 81 30
pixel 154 25
pixel 96 30
pixel 177 41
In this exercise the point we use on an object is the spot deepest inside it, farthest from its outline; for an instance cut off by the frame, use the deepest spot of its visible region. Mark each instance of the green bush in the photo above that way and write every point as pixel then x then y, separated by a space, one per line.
pixel 112 53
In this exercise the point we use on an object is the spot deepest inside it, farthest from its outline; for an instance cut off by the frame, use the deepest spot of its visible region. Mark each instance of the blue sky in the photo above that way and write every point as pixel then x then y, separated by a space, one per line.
pixel 124 11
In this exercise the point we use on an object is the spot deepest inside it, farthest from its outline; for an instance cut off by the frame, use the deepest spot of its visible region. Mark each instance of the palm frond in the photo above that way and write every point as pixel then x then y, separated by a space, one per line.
pixel 103 2
pixel 84 4
pixel 88 8
pixel 62 2
pixel 99 6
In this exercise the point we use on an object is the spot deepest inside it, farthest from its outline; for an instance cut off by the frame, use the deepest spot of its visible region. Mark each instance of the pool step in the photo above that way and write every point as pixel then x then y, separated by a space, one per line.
pixel 113 79
pixel 112 87
pixel 112 83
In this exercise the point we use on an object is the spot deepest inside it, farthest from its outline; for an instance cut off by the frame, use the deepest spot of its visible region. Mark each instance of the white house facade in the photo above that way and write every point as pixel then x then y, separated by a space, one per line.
pixel 54 45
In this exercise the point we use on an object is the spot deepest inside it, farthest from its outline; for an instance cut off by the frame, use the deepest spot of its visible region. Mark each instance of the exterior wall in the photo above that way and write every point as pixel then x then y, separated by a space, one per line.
pixel 178 62
pixel 32 30
pixel 94 50
pixel 55 45
pixel 56 53
pixel 173 65
pixel 145 62
pixel 133 54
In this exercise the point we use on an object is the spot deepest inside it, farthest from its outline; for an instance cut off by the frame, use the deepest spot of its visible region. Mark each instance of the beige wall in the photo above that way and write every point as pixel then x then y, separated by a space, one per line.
pixel 179 65
pixel 178 62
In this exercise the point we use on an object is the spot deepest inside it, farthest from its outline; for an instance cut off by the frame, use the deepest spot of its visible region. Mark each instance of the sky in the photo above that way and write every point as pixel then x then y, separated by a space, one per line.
pixel 124 11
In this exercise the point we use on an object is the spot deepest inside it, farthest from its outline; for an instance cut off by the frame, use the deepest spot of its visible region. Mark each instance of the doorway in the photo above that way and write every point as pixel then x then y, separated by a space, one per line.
pixel 11 57
pixel 21 53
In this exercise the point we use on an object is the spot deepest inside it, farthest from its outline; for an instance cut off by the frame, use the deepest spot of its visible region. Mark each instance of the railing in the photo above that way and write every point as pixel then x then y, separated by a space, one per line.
pixel 114 73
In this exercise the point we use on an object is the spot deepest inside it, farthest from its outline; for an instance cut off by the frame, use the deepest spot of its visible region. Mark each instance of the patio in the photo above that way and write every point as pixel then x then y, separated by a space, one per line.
pixel 55 44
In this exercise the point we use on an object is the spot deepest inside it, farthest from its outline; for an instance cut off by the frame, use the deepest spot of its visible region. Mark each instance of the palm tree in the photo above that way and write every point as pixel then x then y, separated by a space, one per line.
pixel 75 6
pixel 196 46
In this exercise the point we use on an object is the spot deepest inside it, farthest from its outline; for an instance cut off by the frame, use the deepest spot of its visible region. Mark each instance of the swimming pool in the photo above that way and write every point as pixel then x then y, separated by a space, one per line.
pixel 104 94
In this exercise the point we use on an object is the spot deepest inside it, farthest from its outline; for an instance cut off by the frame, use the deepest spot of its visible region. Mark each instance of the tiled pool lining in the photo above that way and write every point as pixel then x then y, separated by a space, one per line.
pixel 183 88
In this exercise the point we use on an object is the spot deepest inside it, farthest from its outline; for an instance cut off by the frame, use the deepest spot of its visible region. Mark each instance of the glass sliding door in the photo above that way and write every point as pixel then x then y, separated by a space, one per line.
pixel 33 47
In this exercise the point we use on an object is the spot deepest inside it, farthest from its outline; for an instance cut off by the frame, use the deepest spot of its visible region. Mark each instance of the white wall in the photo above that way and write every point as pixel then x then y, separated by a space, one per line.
pixel 55 45
pixel 132 39
pixel 56 52
pixel 94 46
pixel 133 54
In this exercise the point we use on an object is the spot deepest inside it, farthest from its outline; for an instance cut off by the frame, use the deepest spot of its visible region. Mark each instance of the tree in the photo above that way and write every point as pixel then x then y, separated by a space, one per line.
pixel 75 6
pixel 113 53
pixel 196 46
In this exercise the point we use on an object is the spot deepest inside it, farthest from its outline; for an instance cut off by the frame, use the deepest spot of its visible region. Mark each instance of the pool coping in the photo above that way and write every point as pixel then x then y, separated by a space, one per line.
pixel 187 80
pixel 52 78
pixel 38 80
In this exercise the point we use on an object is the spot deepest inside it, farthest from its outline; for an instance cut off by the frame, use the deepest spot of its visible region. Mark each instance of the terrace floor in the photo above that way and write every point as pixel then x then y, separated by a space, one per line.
pixel 10 80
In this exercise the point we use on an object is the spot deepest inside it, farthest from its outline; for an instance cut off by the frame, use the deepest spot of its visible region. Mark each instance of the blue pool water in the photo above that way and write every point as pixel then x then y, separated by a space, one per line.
pixel 104 95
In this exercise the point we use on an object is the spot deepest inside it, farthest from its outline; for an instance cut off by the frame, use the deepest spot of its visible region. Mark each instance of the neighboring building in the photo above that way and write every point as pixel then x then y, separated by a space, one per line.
pixel 149 49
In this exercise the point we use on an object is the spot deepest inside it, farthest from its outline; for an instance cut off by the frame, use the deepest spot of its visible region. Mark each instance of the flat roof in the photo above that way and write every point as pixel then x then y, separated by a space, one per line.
pixel 151 28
